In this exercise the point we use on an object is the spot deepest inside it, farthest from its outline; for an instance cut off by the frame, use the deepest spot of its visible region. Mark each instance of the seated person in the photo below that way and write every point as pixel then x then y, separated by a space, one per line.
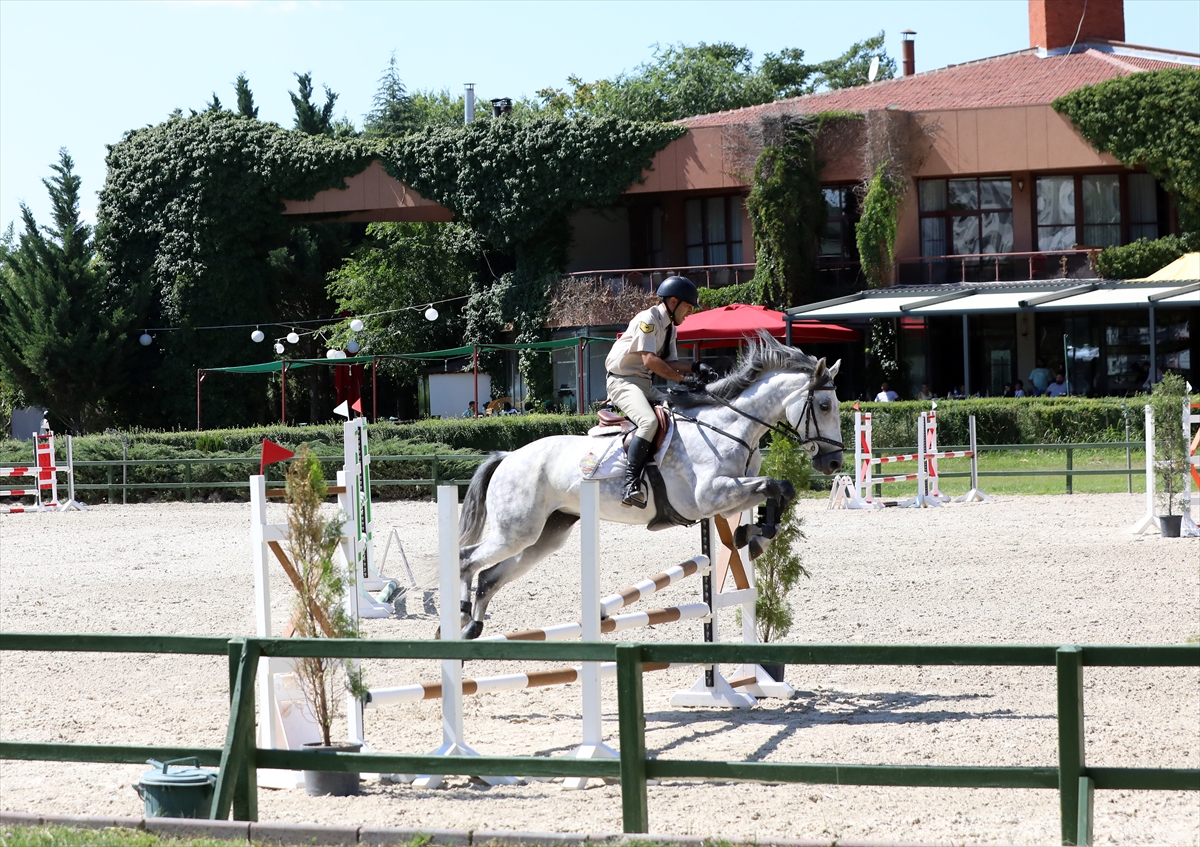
pixel 1060 387
pixel 1019 390
pixel 925 394
pixel 886 395
pixel 470 411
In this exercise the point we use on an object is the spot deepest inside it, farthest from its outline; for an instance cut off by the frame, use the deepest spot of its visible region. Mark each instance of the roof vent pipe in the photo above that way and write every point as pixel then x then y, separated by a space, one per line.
pixel 501 106
pixel 908 52
pixel 469 103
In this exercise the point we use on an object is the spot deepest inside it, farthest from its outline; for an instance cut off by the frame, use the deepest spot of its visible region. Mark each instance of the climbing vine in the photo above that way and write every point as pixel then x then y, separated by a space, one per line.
pixel 191 212
pixel 876 230
pixel 1149 119
pixel 517 183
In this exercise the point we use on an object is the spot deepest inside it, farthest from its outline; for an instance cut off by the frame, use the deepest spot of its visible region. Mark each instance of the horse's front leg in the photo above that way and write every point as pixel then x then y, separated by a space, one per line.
pixel 729 495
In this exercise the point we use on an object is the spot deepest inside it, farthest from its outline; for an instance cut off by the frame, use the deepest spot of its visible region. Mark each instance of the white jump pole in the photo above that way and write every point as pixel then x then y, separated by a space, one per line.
pixel 1148 522
pixel 449 599
pixel 975 495
pixel 1190 471
pixel 593 746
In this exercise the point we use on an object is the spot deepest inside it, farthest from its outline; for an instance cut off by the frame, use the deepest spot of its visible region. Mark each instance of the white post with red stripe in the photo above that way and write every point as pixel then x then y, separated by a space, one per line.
pixel 44 471
pixel 1191 417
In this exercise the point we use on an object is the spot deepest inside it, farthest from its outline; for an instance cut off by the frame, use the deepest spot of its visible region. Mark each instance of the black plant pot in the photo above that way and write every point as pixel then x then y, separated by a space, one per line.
pixel 775 671
pixel 336 783
pixel 1169 525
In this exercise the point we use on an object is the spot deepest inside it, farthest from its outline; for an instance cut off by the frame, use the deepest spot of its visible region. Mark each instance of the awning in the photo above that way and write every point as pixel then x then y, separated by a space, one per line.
pixel 998 298
pixel 1185 268
pixel 728 325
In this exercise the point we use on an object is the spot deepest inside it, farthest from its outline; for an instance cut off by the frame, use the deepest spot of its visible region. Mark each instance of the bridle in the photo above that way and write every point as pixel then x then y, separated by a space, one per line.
pixel 808 416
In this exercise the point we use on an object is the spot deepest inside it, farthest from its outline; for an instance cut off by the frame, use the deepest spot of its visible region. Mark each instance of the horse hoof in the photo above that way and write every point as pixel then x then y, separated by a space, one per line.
pixel 472 630
pixel 437 633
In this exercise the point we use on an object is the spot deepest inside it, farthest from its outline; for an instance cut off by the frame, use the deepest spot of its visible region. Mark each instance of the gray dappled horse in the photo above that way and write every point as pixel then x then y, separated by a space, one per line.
pixel 528 500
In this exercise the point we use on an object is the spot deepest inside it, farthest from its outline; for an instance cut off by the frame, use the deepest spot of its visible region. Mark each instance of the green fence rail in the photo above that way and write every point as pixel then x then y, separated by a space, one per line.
pixel 239 758
pixel 435 462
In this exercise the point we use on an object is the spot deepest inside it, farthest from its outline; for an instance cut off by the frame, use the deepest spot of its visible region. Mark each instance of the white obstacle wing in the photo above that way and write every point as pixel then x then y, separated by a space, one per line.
pixel 928 494
pixel 1149 521
pixel 44 471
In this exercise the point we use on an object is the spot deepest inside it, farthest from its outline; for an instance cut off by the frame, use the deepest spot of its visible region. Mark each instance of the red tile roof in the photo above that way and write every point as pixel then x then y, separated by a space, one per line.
pixel 1014 79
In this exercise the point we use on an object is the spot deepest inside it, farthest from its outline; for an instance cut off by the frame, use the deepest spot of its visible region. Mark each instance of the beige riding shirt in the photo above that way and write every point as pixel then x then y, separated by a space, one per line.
pixel 650 331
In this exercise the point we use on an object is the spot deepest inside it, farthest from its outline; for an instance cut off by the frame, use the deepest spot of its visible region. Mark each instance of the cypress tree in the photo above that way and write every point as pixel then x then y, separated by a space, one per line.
pixel 63 331
pixel 245 98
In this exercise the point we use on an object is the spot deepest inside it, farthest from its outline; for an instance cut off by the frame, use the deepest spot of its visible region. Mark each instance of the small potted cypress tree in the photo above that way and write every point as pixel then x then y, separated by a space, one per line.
pixel 779 568
pixel 320 612
pixel 1170 449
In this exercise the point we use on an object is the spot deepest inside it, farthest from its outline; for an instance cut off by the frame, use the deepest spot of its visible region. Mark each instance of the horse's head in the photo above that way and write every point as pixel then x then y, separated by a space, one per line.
pixel 813 412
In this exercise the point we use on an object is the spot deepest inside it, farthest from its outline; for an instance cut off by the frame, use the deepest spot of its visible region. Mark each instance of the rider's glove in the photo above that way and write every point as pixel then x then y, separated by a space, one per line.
pixel 692 382
pixel 705 373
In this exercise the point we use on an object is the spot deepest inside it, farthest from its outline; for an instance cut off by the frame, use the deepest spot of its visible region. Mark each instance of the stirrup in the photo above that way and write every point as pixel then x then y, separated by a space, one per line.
pixel 634 496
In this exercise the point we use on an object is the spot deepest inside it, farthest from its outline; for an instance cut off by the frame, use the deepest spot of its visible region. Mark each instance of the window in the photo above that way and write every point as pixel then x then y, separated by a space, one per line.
pixel 966 216
pixel 1095 210
pixel 714 230
pixel 841 214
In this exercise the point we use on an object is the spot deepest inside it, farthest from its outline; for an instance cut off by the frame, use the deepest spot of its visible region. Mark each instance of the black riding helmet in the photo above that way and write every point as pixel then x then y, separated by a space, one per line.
pixel 681 287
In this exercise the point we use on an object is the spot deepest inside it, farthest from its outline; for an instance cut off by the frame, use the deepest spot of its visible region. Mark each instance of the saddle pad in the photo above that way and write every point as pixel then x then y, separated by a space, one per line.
pixel 605 458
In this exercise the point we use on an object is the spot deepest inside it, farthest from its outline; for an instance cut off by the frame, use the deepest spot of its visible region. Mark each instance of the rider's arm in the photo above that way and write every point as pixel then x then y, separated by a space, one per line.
pixel 672 371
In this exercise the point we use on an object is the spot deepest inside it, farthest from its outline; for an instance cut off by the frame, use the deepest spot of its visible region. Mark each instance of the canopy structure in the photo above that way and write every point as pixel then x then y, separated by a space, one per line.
pixel 1185 268
pixel 718 327
pixel 285 366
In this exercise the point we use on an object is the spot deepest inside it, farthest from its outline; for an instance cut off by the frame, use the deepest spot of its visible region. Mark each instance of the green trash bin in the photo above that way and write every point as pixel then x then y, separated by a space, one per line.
pixel 185 792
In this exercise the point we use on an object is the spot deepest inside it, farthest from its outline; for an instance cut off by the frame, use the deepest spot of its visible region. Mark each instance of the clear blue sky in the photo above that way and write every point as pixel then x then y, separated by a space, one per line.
pixel 79 74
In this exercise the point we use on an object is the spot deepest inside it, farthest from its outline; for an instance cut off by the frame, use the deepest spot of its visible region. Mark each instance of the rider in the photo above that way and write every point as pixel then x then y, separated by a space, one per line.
pixel 646 348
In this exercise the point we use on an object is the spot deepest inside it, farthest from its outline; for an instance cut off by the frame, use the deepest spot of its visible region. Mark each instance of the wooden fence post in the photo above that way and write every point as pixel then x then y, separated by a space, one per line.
pixel 630 710
pixel 1071 764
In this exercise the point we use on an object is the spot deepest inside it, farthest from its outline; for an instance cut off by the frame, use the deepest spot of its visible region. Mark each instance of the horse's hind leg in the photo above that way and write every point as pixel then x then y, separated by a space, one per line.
pixel 554 533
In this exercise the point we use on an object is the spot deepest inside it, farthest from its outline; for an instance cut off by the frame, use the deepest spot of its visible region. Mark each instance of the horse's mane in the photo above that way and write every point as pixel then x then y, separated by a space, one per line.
pixel 763 354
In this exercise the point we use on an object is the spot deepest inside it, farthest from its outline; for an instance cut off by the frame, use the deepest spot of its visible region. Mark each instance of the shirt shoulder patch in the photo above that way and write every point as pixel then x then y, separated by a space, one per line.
pixel 646 327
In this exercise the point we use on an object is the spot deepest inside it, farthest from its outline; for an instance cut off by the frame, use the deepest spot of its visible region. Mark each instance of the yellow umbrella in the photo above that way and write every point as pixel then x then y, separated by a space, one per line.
pixel 1186 267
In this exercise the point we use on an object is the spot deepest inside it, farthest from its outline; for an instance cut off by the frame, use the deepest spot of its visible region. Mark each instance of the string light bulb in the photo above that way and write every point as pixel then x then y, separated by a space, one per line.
pixel 257 336
pixel 352 347
pixel 356 325
pixel 431 314
pixel 293 338
pixel 279 348
pixel 145 339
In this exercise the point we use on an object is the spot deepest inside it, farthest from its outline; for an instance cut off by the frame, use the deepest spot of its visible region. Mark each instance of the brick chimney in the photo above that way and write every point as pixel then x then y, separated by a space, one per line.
pixel 1053 23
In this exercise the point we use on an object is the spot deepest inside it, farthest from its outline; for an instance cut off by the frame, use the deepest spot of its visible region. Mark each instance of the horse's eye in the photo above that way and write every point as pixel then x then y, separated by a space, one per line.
pixel 826 406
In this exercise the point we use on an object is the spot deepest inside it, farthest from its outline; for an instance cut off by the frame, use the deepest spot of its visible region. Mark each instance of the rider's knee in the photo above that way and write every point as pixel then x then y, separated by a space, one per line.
pixel 648 430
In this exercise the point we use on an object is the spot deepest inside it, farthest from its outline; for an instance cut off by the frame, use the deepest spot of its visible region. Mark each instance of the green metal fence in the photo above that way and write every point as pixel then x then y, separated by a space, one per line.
pixel 118 468
pixel 239 758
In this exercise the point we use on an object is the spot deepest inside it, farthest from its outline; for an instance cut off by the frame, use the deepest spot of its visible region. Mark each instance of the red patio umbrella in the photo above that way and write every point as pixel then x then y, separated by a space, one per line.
pixel 726 325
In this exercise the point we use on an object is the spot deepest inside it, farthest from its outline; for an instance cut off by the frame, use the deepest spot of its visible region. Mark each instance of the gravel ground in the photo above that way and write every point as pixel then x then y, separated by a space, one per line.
pixel 1058 569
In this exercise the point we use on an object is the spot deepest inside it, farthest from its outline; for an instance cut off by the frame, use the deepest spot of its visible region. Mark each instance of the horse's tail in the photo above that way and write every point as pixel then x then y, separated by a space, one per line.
pixel 474 513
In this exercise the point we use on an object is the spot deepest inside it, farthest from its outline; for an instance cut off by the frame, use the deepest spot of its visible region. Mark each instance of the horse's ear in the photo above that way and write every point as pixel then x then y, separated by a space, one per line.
pixel 834 370
pixel 818 374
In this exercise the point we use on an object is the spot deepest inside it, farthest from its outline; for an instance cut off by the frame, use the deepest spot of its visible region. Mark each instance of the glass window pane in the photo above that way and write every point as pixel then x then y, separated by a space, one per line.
pixel 695 256
pixel 1056 237
pixel 1101 199
pixel 833 201
pixel 1143 204
pixel 735 253
pixel 831 239
pixel 933 237
pixel 1147 231
pixel 735 219
pixel 995 193
pixel 964 194
pixel 997 232
pixel 715 225
pixel 656 218
pixel 933 195
pixel 1056 200
pixel 1103 235
pixel 966 235
pixel 695 232
pixel 717 254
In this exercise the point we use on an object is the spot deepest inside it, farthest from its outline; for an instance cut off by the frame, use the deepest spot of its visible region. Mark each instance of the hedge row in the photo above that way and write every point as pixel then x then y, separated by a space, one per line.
pixel 998 421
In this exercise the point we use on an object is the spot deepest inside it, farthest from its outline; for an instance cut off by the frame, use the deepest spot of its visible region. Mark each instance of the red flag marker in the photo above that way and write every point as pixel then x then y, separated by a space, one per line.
pixel 856 405
pixel 357 405
pixel 272 453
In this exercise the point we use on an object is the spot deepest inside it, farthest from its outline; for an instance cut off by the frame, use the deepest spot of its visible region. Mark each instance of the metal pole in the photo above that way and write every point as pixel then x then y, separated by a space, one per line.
pixel 374 389
pixel 579 402
pixel 1066 363
pixel 1153 349
pixel 199 379
pixel 475 371
pixel 283 394
pixel 787 329
pixel 966 358
pixel 1128 450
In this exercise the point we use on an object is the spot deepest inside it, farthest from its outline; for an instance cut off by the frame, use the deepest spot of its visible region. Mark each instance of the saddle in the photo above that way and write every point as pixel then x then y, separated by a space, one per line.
pixel 612 423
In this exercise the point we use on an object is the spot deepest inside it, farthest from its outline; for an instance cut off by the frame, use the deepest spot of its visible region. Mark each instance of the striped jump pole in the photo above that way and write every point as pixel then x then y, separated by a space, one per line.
pixel 651 585
pixel 44 471
pixel 1191 417
pixel 617 623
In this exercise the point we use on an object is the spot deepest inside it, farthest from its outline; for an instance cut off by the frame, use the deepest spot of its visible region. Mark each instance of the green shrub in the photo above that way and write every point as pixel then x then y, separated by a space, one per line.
pixel 210 443
pixel 779 568
pixel 1143 257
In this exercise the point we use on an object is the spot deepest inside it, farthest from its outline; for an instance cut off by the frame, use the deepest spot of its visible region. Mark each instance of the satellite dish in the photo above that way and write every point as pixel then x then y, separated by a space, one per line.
pixel 874 71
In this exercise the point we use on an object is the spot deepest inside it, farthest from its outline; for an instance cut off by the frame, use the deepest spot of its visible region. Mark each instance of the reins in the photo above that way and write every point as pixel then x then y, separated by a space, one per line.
pixel 784 428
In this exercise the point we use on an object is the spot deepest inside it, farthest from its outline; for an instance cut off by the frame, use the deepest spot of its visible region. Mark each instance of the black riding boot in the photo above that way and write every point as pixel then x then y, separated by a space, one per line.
pixel 637 455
